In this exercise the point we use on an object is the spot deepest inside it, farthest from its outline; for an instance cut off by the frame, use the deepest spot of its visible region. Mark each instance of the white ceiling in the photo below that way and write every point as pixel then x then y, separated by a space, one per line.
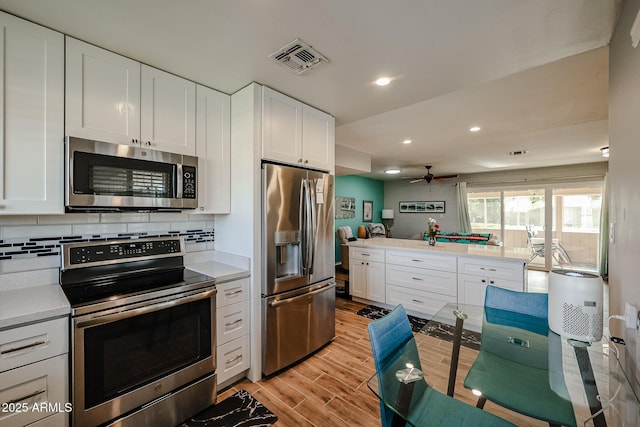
pixel 532 73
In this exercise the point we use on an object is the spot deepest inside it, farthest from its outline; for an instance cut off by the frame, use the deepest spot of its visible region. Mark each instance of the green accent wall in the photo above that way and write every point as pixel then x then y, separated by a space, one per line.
pixel 361 189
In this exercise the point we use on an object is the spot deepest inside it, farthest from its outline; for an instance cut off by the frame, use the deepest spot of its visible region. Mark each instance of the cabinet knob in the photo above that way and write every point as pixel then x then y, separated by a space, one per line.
pixel 492 282
pixel 148 143
pixel 306 162
pixel 133 140
pixel 484 281
pixel 299 160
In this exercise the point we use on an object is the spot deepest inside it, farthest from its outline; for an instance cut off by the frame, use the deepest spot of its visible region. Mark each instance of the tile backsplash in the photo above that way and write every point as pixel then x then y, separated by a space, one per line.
pixel 29 243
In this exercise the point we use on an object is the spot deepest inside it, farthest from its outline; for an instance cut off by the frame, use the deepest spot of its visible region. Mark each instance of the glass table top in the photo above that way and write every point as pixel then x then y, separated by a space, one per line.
pixel 522 366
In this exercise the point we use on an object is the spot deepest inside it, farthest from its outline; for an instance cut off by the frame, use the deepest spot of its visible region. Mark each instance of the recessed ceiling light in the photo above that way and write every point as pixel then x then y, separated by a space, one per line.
pixel 407 141
pixel 474 129
pixel 383 81
pixel 392 171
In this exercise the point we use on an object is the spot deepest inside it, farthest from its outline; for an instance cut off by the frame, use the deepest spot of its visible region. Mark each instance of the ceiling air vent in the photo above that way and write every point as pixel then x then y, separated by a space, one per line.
pixel 298 56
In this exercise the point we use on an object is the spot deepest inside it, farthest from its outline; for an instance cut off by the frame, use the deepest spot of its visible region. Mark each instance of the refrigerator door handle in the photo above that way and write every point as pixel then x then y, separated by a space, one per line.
pixel 312 226
pixel 303 227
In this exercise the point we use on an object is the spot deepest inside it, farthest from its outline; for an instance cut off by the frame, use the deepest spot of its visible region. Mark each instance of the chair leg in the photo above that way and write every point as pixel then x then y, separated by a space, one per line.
pixel 481 402
pixel 554 425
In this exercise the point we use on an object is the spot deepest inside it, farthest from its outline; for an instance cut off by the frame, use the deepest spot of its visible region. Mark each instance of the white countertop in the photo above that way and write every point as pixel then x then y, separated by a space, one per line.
pixel 38 303
pixel 221 272
pixel 34 304
pixel 519 254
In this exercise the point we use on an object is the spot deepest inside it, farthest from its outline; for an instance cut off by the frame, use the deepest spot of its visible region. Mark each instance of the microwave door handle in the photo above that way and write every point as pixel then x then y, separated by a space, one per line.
pixel 179 181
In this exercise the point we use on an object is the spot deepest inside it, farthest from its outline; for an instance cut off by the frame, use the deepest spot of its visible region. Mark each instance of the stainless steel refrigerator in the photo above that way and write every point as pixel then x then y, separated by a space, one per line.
pixel 298 280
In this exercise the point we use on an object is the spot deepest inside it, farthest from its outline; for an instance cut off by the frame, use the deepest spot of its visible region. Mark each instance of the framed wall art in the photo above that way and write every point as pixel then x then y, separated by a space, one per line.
pixel 422 207
pixel 367 211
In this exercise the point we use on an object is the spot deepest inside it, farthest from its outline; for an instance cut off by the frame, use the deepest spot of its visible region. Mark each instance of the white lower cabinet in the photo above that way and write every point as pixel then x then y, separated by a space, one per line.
pixel 366 274
pixel 232 329
pixel 475 274
pixel 419 281
pixel 34 374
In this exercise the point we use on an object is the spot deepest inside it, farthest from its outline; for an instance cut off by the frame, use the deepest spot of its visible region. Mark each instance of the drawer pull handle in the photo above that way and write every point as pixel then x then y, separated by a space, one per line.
pixel 233 323
pixel 230 361
pixel 24 347
pixel 29 396
pixel 492 269
pixel 417 260
pixel 417 278
pixel 228 294
pixel 482 268
pixel 418 301
pixel 366 254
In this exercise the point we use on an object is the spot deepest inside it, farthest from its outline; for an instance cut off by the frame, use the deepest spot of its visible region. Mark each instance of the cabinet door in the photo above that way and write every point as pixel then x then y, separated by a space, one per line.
pixel 31 118
pixel 213 146
pixel 168 112
pixel 281 127
pixel 471 289
pixel 376 288
pixel 102 94
pixel 358 279
pixel 318 139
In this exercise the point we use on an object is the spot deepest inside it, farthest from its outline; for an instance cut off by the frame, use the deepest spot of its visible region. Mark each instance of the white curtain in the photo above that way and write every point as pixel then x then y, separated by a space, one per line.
pixel 464 220
pixel 603 242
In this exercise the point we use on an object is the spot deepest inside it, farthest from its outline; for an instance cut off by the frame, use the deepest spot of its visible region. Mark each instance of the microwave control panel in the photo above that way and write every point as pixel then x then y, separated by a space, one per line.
pixel 188 182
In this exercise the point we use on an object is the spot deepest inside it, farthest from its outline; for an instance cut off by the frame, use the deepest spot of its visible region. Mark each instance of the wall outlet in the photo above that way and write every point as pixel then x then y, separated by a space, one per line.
pixel 630 316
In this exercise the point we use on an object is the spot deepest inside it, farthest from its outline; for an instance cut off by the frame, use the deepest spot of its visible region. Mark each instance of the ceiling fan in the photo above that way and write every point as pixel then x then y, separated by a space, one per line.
pixel 430 177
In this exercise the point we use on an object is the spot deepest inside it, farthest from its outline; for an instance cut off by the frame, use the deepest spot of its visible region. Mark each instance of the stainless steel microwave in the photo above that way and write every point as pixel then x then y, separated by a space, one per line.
pixel 101 176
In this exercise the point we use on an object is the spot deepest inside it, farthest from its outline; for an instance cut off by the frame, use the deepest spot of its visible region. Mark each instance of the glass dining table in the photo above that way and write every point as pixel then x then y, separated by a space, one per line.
pixel 521 365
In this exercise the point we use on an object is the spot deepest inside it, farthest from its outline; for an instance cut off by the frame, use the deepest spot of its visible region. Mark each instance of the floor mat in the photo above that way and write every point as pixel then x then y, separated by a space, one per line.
pixel 240 409
pixel 439 330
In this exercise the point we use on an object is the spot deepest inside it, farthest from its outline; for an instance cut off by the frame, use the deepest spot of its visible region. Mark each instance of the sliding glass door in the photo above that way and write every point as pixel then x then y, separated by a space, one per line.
pixel 557 225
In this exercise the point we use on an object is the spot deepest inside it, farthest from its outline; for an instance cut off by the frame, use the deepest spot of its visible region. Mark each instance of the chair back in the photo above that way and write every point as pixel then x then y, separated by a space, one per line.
pixel 520 309
pixel 387 335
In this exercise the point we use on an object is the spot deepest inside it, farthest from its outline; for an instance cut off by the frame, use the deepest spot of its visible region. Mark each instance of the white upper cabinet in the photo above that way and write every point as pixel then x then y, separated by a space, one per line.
pixel 318 138
pixel 103 94
pixel 116 99
pixel 295 133
pixel 213 147
pixel 167 112
pixel 31 118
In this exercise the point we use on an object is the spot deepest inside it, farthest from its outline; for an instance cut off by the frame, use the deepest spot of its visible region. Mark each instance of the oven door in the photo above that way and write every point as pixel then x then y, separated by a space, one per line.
pixel 125 359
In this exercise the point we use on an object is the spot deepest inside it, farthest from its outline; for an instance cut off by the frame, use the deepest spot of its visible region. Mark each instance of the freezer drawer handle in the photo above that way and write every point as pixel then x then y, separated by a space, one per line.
pixel 228 294
pixel 233 323
pixel 230 361
pixel 299 297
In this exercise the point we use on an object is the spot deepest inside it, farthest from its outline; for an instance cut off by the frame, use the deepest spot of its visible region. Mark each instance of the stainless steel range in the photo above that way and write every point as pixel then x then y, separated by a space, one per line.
pixel 142 333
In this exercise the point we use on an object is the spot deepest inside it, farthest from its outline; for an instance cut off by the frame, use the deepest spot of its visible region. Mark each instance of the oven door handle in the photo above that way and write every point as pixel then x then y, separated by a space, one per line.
pixel 142 310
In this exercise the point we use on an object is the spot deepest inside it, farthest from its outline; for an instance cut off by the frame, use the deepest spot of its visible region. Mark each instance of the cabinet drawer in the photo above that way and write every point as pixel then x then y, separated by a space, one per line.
pixel 232 292
pixel 422 260
pixel 34 384
pixel 232 358
pixel 471 289
pixel 232 321
pixel 420 279
pixel 376 255
pixel 492 268
pixel 27 344
pixel 61 419
pixel 423 302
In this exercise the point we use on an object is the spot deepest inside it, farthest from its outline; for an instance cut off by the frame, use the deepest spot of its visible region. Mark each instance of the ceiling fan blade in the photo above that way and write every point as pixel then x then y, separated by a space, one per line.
pixel 445 176
pixel 414 180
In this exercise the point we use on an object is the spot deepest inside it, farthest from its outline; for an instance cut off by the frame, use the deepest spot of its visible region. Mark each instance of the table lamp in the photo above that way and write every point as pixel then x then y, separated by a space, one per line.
pixel 387 220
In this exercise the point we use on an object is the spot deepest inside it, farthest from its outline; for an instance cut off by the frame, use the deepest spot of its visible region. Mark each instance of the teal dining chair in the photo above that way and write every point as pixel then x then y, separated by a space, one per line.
pixel 391 334
pixel 506 366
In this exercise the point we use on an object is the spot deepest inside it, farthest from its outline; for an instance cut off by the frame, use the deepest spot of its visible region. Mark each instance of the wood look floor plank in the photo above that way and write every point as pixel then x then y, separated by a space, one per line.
pixel 329 388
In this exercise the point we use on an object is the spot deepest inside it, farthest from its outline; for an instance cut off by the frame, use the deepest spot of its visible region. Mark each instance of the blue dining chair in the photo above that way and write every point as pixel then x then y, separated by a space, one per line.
pixel 391 334
pixel 503 367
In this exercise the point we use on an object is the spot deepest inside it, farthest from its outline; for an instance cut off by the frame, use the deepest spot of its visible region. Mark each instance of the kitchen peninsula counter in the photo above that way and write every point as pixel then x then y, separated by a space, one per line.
pixel 520 254
pixel 424 278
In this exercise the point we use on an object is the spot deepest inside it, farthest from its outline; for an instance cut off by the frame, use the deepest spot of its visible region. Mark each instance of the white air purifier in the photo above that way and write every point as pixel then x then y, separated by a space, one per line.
pixel 575 305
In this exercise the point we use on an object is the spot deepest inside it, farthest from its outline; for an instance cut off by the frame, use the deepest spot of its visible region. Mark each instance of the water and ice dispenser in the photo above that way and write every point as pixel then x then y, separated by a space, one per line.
pixel 288 255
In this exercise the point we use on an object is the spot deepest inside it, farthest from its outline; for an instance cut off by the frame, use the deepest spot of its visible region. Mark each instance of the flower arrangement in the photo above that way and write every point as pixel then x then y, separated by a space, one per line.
pixel 434 228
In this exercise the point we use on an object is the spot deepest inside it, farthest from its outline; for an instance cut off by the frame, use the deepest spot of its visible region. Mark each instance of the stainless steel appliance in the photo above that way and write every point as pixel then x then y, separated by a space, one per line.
pixel 142 333
pixel 104 176
pixel 298 284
